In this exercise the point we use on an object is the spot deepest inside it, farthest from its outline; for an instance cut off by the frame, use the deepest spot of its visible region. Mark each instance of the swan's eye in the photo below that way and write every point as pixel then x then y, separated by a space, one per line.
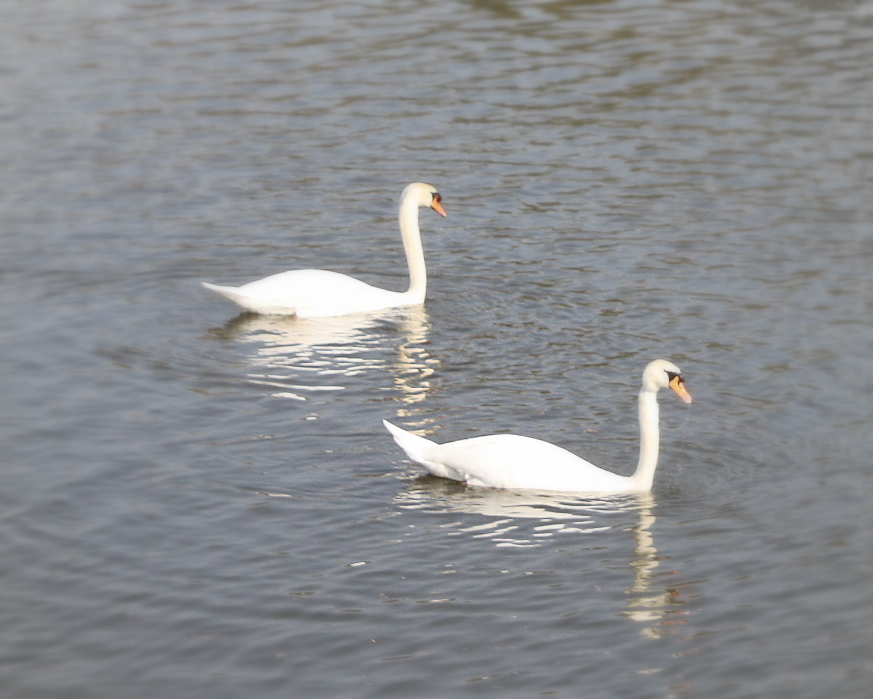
pixel 672 375
pixel 437 197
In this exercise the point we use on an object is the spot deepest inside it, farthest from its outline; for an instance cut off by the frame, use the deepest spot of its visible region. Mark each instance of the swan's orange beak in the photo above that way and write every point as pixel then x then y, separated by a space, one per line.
pixel 678 385
pixel 436 206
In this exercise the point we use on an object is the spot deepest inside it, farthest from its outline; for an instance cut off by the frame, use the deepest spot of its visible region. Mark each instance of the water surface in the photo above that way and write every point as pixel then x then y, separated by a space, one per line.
pixel 201 503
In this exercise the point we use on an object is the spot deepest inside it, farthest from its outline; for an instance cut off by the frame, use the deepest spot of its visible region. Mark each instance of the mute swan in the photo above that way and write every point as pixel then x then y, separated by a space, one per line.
pixel 317 293
pixel 523 463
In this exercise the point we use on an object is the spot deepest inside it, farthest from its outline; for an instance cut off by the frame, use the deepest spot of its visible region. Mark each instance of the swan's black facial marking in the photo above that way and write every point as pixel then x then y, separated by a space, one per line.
pixel 675 380
pixel 435 203
pixel 677 383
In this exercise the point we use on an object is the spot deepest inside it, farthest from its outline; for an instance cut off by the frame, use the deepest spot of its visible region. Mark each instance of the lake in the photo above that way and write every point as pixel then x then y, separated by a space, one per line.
pixel 199 502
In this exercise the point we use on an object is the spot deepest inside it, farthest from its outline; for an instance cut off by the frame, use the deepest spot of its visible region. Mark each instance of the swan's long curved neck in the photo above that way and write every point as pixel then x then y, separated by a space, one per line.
pixel 411 236
pixel 649 440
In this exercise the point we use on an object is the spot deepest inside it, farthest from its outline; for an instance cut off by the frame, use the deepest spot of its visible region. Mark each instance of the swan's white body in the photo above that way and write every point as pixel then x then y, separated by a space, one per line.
pixel 317 293
pixel 524 463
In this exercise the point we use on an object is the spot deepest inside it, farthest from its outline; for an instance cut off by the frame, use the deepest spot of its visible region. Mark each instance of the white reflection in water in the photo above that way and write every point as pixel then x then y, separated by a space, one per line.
pixel 649 600
pixel 438 495
pixel 304 355
pixel 510 513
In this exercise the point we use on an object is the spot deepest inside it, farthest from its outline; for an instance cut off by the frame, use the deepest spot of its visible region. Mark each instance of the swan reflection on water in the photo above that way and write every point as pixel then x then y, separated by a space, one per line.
pixel 530 519
pixel 648 602
pixel 297 356
pixel 440 495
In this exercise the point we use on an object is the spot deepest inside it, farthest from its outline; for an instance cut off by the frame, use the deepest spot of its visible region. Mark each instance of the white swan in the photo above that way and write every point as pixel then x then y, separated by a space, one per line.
pixel 317 293
pixel 523 463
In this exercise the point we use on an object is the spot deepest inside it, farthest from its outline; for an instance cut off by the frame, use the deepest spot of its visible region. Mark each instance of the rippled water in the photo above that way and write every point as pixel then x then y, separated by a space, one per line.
pixel 199 503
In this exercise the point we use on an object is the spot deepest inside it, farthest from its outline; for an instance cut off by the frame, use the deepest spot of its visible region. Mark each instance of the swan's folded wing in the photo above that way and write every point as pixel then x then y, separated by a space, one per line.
pixel 308 293
pixel 513 461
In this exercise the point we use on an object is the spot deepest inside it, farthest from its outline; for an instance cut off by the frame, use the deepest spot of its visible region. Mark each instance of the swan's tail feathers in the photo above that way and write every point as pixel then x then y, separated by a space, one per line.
pixel 243 300
pixel 252 300
pixel 414 446
pixel 417 448
pixel 229 292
